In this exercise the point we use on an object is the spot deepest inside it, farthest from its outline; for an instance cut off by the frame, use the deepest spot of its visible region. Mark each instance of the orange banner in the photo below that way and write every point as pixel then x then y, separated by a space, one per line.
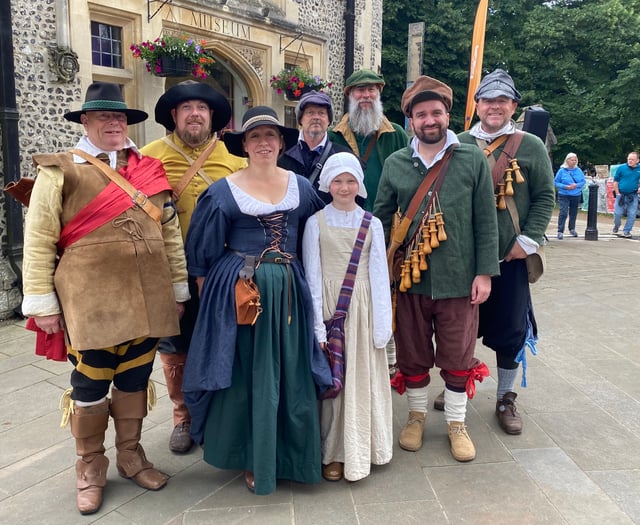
pixel 475 65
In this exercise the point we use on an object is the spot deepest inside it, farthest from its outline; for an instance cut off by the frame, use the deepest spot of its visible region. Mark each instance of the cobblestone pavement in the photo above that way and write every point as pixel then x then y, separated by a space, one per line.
pixel 577 461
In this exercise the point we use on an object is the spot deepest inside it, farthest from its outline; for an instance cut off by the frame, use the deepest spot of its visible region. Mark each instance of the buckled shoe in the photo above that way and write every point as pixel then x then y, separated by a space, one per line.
pixel 507 413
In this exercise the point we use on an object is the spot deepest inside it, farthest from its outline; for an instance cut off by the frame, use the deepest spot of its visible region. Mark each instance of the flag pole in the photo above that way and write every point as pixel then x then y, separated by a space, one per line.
pixel 475 65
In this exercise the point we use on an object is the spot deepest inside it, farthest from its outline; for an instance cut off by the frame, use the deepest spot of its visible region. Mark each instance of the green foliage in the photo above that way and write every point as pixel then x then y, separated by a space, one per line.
pixel 578 58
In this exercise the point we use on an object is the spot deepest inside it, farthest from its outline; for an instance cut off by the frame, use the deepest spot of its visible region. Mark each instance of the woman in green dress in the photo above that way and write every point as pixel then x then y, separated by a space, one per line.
pixel 252 389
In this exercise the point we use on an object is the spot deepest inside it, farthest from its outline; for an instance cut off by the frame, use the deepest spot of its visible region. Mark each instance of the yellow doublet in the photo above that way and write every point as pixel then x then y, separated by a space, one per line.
pixel 219 164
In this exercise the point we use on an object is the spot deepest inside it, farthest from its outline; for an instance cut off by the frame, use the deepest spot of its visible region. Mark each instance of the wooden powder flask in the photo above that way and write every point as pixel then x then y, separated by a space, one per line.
pixel 415 266
pixel 516 169
pixel 501 204
pixel 422 258
pixel 442 235
pixel 406 279
pixel 433 233
pixel 426 244
pixel 508 179
pixel 401 286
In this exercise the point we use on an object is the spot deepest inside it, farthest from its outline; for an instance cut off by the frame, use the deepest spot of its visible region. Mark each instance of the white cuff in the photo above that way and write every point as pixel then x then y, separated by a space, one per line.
pixel 40 305
pixel 181 291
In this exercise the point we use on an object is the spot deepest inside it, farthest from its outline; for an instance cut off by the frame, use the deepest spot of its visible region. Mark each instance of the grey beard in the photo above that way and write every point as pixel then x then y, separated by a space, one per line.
pixel 365 122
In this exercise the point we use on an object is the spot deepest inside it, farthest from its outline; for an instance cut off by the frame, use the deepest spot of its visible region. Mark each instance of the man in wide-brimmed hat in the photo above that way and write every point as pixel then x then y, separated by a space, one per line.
pixel 194 112
pixel 437 309
pixel 314 113
pixel 104 262
pixel 507 322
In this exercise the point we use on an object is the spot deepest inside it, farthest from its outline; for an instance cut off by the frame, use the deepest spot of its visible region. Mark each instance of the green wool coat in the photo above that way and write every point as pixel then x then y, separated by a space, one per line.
pixel 468 206
pixel 534 198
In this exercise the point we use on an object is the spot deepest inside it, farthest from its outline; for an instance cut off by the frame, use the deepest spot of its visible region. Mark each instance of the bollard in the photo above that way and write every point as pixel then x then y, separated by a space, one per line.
pixel 591 233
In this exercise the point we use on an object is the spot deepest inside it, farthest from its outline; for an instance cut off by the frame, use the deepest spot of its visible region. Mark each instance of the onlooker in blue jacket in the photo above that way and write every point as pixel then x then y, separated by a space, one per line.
pixel 569 181
pixel 625 186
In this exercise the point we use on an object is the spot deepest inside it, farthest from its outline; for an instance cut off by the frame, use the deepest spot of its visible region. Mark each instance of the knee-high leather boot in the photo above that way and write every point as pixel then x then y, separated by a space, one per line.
pixel 88 425
pixel 128 409
pixel 173 367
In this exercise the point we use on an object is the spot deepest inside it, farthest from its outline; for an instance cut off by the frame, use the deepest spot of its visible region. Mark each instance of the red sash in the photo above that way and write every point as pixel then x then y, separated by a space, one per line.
pixel 146 174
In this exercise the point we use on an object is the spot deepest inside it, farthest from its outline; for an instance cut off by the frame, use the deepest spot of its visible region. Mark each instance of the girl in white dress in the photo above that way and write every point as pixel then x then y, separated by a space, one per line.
pixel 356 426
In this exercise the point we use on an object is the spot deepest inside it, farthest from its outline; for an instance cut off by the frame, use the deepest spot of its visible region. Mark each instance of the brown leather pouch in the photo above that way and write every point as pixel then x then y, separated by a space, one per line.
pixel 20 190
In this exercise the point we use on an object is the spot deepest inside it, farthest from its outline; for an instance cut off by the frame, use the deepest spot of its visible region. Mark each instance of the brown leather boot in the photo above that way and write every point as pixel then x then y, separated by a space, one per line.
pixel 128 409
pixel 173 367
pixel 88 425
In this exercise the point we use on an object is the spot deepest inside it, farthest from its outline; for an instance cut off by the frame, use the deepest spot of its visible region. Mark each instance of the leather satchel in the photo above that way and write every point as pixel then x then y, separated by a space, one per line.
pixel 20 190
pixel 248 306
pixel 536 261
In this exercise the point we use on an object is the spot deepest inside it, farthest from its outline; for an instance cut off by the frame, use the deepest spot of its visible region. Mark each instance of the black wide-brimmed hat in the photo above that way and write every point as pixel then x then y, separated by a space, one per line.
pixel 192 90
pixel 105 96
pixel 259 116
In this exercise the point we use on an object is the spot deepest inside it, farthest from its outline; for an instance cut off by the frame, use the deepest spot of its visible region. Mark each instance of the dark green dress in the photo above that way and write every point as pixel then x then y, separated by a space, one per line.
pixel 262 413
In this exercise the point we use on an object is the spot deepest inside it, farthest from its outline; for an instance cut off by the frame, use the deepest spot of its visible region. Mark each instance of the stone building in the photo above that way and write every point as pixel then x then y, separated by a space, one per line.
pixel 58 47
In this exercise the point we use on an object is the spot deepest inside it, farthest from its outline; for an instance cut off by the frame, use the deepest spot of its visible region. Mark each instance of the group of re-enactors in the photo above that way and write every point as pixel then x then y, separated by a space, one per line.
pixel 130 251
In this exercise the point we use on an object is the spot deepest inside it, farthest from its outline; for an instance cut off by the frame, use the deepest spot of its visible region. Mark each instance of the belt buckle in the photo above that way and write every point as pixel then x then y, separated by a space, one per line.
pixel 139 199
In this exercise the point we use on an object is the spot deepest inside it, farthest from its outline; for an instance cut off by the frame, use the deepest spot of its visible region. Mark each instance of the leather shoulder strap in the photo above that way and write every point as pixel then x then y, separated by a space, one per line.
pixel 193 169
pixel 428 181
pixel 318 166
pixel 511 144
pixel 139 198
pixel 190 160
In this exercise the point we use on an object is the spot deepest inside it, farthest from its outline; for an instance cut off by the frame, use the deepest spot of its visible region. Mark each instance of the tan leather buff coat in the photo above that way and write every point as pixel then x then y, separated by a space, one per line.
pixel 115 283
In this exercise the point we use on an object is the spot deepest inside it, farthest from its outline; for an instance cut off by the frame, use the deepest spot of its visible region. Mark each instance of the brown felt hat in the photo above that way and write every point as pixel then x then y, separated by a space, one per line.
pixel 426 88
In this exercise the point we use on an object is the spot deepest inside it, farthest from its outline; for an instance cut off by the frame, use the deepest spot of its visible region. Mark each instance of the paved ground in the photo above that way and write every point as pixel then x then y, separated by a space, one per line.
pixel 577 461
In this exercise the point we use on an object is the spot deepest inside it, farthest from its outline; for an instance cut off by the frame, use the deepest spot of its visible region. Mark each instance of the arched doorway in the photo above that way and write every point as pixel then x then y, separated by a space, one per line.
pixel 225 79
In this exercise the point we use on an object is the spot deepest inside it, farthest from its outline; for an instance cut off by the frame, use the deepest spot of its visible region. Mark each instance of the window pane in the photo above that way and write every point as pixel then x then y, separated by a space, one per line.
pixel 106 45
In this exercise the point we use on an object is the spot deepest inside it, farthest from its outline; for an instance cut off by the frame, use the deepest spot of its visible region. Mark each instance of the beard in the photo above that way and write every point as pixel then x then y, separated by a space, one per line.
pixel 365 122
pixel 431 135
pixel 193 139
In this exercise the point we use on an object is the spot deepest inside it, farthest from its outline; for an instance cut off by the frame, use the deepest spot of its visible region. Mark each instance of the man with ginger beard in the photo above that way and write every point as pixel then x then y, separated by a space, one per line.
pixel 437 315
pixel 365 129
pixel 194 112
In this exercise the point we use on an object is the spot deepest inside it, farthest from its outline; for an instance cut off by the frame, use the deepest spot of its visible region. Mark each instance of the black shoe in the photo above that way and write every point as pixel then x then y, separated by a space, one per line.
pixel 180 440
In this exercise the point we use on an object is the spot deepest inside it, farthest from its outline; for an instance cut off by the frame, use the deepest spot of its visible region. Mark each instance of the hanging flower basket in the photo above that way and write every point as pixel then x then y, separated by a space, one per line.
pixel 174 67
pixel 174 56
pixel 291 94
pixel 294 82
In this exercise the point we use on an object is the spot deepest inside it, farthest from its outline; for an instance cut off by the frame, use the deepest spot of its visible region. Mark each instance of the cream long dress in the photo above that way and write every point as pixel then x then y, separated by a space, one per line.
pixel 356 426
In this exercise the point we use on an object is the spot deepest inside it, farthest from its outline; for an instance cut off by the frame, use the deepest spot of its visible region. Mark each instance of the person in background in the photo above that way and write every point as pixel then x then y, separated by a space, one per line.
pixel 372 137
pixel 314 113
pixel 356 426
pixel 625 187
pixel 507 322
pixel 193 112
pixel 118 285
pixel 569 180
pixel 437 315
pixel 252 389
